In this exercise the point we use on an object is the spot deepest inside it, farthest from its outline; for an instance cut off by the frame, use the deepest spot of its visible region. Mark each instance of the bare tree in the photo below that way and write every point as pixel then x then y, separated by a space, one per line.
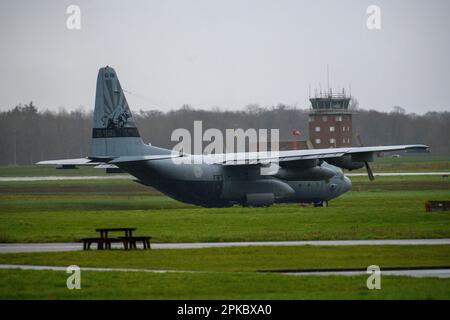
pixel 28 135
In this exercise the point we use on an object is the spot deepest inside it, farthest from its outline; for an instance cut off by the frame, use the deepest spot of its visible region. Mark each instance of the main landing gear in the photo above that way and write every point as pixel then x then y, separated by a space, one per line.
pixel 321 204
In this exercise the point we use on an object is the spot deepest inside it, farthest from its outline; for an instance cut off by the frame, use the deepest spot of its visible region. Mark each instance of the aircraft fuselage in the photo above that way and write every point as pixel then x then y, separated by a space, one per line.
pixel 221 186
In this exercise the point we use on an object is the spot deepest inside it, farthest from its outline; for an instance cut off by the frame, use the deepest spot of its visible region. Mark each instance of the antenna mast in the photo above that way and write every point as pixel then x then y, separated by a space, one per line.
pixel 328 78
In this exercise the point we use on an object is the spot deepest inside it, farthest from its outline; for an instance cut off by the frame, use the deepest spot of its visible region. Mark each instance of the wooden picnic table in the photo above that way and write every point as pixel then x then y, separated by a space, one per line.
pixel 104 242
pixel 104 231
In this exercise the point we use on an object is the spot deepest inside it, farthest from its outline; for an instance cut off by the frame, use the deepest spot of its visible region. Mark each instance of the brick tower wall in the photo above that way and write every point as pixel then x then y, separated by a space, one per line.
pixel 335 129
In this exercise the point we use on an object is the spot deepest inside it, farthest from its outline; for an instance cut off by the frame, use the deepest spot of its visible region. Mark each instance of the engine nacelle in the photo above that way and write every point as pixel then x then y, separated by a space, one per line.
pixel 310 174
pixel 259 199
pixel 346 162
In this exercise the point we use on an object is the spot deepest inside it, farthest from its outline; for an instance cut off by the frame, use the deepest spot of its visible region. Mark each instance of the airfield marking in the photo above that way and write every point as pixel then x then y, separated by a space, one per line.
pixel 435 273
pixel 59 268
pixel 419 273
pixel 128 177
pixel 49 247
pixel 395 174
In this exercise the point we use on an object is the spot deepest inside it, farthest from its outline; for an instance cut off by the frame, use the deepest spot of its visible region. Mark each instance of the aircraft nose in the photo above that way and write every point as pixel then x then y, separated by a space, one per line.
pixel 347 185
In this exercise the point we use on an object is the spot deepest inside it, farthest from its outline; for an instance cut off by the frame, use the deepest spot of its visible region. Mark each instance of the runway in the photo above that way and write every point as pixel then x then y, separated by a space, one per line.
pixel 54 247
pixel 419 273
pixel 128 177
pixel 399 174
pixel 60 268
pixel 58 178
pixel 431 272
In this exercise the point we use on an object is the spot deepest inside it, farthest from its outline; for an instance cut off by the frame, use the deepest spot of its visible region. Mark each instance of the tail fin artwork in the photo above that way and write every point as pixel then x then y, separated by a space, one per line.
pixel 115 137
pixel 114 133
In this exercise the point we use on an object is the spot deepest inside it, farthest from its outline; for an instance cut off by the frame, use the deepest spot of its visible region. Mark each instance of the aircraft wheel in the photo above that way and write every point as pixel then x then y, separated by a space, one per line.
pixel 321 204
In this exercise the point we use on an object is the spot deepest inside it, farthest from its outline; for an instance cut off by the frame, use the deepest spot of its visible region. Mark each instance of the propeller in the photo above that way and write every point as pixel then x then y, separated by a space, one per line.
pixel 369 171
pixel 366 164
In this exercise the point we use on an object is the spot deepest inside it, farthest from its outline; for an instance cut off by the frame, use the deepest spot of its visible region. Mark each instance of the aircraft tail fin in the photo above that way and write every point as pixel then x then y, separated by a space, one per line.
pixel 114 133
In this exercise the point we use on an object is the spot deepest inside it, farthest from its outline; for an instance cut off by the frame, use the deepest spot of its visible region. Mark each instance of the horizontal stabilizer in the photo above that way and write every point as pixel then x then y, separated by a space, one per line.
pixel 107 163
pixel 70 162
pixel 144 158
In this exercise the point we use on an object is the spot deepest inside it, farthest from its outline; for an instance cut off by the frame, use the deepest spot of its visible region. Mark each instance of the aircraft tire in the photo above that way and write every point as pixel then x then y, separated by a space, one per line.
pixel 321 204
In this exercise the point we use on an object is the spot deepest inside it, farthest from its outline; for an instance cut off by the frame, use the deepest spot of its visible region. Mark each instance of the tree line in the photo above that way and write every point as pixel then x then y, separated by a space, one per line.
pixel 28 135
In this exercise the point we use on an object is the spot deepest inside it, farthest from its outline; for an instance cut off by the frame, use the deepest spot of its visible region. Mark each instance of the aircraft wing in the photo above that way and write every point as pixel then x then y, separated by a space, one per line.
pixel 252 158
pixel 411 147
pixel 360 153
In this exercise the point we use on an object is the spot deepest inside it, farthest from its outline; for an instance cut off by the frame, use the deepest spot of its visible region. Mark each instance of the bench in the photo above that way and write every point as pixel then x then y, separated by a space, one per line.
pixel 130 242
pixel 435 205
pixel 102 243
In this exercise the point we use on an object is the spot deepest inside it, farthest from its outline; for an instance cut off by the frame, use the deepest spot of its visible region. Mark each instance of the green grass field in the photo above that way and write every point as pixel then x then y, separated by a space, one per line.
pixel 24 284
pixel 59 211
pixel 227 273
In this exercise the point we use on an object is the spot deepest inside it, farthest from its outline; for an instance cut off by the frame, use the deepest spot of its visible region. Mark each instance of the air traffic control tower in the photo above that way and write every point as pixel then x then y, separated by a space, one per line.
pixel 330 120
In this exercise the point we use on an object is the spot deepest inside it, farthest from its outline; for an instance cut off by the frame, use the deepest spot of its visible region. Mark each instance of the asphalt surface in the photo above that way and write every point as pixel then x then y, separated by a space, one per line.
pixel 395 174
pixel 49 247
pixel 59 268
pixel 435 273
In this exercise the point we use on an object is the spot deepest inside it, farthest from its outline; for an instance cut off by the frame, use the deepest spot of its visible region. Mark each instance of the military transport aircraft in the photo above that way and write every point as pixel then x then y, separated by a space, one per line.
pixel 295 176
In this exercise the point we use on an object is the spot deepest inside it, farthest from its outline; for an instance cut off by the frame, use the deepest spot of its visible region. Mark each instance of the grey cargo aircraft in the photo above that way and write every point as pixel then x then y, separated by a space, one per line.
pixel 295 176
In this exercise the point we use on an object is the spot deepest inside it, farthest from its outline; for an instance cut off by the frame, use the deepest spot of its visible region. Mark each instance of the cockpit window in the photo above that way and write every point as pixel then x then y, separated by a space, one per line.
pixel 112 75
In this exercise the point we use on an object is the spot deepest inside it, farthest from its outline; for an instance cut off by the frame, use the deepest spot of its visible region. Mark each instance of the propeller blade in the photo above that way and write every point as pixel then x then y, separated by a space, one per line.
pixel 369 171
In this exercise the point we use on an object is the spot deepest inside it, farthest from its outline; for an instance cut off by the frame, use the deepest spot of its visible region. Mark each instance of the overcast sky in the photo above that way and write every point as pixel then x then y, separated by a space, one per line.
pixel 226 53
